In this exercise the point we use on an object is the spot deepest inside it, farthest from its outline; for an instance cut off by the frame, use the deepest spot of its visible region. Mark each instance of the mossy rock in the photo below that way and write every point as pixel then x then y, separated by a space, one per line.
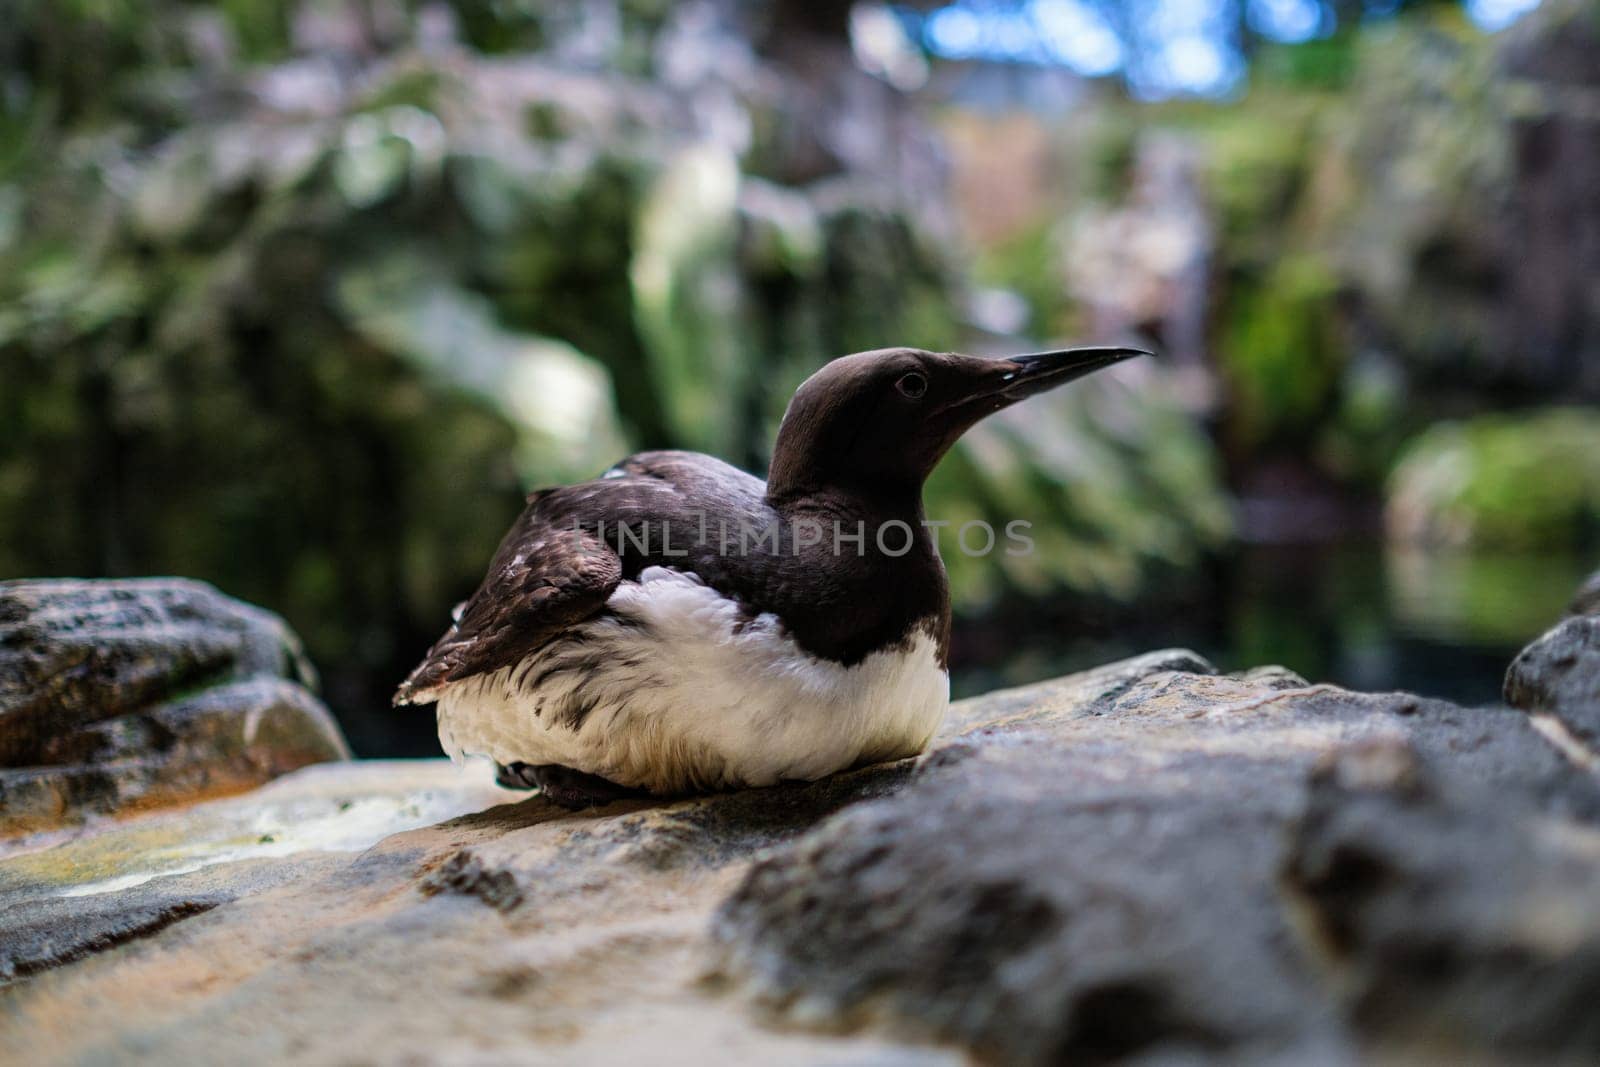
pixel 1506 481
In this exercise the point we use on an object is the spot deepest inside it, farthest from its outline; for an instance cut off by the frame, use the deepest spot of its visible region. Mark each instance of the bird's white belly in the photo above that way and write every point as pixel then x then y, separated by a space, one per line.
pixel 674 689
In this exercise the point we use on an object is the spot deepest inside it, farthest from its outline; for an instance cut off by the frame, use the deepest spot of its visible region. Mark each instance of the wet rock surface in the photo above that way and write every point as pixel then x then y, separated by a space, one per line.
pixel 1148 862
pixel 117 695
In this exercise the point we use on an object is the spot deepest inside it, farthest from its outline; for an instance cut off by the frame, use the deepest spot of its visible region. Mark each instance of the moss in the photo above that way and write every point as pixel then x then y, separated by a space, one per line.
pixel 1368 424
pixel 1256 169
pixel 1505 481
pixel 1281 353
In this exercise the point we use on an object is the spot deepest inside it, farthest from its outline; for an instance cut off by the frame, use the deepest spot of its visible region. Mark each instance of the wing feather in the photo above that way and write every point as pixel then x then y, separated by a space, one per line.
pixel 546 575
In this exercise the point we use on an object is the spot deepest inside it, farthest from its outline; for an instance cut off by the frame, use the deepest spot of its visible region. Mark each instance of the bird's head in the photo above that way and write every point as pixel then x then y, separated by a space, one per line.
pixel 880 421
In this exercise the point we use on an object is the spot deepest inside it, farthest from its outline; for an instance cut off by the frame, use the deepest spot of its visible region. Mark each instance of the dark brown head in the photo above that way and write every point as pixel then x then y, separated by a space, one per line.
pixel 880 421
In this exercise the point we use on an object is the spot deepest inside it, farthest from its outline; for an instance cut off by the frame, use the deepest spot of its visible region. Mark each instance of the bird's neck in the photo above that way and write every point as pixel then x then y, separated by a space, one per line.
pixel 849 497
pixel 881 572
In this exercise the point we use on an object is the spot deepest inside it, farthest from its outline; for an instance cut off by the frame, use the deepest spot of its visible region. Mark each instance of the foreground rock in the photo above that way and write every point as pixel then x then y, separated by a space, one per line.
pixel 1148 861
pixel 117 695
pixel 1557 678
pixel 1187 864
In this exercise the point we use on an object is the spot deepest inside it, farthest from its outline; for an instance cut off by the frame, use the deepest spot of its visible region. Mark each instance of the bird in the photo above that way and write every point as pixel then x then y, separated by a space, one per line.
pixel 677 625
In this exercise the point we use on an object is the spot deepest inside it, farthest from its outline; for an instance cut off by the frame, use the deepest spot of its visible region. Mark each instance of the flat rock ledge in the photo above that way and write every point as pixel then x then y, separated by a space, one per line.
pixel 1145 863
pixel 120 696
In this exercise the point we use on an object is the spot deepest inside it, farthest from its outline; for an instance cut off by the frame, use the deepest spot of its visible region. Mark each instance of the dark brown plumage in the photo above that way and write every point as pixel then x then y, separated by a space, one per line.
pixel 553 570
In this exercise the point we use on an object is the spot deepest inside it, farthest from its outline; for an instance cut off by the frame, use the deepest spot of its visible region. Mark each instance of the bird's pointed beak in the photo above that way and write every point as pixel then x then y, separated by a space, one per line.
pixel 988 385
pixel 1039 371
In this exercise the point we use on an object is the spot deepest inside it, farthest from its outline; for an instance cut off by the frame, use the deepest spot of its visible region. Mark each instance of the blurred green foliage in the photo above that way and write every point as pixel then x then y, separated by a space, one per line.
pixel 1281 354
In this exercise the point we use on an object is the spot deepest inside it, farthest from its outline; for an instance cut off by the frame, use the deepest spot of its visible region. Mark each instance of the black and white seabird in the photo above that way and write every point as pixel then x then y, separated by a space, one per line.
pixel 678 625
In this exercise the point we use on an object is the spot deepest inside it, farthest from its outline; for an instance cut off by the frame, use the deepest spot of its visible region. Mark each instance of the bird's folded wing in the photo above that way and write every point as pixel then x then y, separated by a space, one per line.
pixel 547 575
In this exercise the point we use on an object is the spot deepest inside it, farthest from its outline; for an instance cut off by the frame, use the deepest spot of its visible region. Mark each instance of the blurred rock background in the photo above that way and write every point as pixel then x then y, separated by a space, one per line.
pixel 300 298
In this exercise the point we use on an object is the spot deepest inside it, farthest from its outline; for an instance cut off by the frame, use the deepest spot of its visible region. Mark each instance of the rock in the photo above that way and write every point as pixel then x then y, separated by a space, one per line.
pixel 1453 922
pixel 1098 877
pixel 1121 915
pixel 116 695
pixel 1550 233
pixel 64 903
pixel 1557 681
pixel 1144 862
pixel 333 915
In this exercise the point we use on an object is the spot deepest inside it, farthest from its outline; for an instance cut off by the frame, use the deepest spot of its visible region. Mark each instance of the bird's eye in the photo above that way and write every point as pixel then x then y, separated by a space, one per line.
pixel 912 385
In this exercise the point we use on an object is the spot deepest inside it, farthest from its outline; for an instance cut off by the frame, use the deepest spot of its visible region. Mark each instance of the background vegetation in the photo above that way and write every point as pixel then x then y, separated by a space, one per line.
pixel 302 297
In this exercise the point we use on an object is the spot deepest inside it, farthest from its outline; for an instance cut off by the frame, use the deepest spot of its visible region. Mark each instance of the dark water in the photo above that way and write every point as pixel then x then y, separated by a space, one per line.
pixel 1362 616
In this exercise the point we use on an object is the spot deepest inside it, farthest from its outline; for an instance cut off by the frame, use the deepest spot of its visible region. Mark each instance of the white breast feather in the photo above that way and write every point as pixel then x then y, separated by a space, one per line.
pixel 678 690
